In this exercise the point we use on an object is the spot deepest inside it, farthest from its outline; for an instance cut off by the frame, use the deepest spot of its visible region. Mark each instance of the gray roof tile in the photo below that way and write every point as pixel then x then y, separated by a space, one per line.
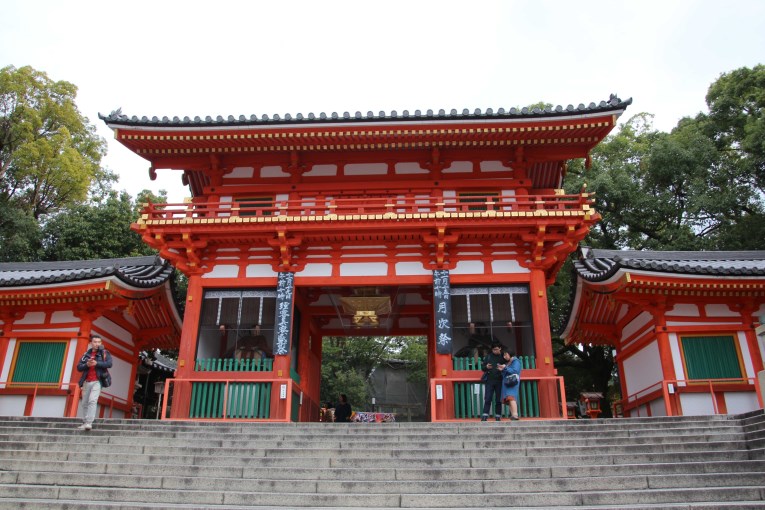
pixel 599 265
pixel 117 118
pixel 144 272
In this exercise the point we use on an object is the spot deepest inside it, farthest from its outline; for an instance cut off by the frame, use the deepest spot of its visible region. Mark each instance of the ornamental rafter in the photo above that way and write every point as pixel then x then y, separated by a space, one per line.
pixel 284 255
pixel 440 240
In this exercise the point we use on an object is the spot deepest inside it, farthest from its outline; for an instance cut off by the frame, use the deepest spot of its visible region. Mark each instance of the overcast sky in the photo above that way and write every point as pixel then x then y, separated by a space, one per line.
pixel 189 58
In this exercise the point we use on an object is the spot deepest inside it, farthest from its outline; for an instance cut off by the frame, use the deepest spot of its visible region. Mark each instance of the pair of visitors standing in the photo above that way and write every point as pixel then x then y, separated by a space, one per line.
pixel 94 365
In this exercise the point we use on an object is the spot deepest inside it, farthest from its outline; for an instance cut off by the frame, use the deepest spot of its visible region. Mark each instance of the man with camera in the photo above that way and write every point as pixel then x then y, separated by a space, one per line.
pixel 492 366
pixel 94 365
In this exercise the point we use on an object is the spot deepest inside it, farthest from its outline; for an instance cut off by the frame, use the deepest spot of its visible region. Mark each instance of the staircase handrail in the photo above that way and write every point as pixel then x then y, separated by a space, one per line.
pixel 667 387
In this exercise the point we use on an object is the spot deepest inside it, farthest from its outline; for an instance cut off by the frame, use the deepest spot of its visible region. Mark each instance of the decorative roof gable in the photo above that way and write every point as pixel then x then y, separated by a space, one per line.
pixel 142 272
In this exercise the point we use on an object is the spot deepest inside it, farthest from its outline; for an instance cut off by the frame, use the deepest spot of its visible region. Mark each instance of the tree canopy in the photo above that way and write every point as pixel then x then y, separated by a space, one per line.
pixel 698 187
pixel 348 362
pixel 50 154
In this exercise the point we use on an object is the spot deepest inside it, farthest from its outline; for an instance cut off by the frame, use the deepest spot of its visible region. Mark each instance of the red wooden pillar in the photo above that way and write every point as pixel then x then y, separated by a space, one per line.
pixel 308 383
pixel 548 388
pixel 187 351
pixel 665 354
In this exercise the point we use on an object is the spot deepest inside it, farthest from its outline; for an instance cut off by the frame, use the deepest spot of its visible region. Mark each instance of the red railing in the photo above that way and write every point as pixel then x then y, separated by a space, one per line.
pixel 668 389
pixel 69 391
pixel 280 407
pixel 392 206
pixel 441 395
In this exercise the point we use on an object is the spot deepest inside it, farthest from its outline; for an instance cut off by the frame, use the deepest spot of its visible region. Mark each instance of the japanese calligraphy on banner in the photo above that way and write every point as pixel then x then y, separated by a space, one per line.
pixel 442 311
pixel 285 287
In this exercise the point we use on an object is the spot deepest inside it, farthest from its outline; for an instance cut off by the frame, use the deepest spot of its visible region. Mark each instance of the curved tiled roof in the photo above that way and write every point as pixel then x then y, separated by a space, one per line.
pixel 144 272
pixel 613 104
pixel 599 265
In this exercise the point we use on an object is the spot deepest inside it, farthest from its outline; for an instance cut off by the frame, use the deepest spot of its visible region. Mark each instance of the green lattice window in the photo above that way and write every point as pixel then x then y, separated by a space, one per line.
pixel 711 357
pixel 39 362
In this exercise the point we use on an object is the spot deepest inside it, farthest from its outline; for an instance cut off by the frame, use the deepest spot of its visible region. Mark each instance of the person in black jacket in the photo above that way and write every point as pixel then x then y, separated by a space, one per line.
pixel 343 410
pixel 492 365
pixel 94 365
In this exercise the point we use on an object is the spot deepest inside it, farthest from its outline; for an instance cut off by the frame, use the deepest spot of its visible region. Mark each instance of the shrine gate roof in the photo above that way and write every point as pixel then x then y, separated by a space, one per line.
pixel 608 282
pixel 142 272
pixel 600 265
pixel 116 118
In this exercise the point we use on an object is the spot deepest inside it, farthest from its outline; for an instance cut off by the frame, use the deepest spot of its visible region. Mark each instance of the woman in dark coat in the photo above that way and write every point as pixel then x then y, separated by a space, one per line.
pixel 343 410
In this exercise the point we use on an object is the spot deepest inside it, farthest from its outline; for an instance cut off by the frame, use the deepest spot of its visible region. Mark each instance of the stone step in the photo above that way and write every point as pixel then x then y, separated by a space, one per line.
pixel 502 473
pixel 39 504
pixel 467 442
pixel 384 500
pixel 364 450
pixel 686 462
pixel 361 487
pixel 376 473
pixel 568 426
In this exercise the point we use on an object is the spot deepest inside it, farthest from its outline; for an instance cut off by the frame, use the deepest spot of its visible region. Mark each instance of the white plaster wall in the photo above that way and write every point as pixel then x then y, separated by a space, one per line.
pixel 745 354
pixel 658 408
pixel 272 171
pixel 507 267
pixel 32 318
pixel 640 411
pixel 114 330
pixel 322 171
pixel 223 271
pixel 49 406
pixel 410 168
pixel 69 365
pixel 366 169
pixel 642 369
pixel 686 309
pixel 741 402
pixel 411 268
pixel 63 316
pixel 458 167
pixel 7 364
pixel 636 323
pixel 121 382
pixel 316 270
pixel 508 195
pixel 677 358
pixel 240 172
pixel 259 270
pixel 623 309
pixel 720 311
pixel 493 166
pixel 12 405
pixel 697 404
pixel 468 267
pixel 364 269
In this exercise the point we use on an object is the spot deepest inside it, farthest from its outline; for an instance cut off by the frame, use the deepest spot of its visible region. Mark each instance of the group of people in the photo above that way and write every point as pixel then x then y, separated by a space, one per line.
pixel 498 367
pixel 502 376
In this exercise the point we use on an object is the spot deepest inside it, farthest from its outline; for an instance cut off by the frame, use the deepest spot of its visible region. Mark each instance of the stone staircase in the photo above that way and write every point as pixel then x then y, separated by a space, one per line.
pixel 681 462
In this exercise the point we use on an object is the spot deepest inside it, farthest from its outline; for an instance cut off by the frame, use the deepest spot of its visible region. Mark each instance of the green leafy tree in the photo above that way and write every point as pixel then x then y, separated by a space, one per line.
pixel 348 362
pixel 699 187
pixel 49 153
pixel 736 118
pixel 20 235
pixel 96 231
